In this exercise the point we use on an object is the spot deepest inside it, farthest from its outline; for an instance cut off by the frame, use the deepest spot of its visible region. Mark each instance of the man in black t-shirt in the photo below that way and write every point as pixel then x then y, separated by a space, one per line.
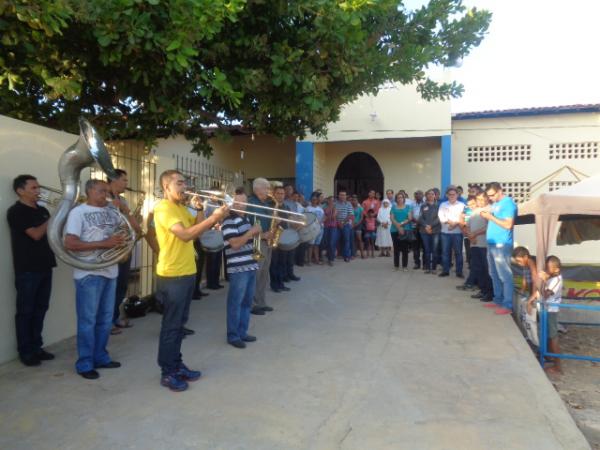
pixel 33 262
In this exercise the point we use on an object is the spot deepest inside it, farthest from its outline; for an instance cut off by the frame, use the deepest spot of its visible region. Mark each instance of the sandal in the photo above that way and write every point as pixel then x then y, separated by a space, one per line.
pixel 115 330
pixel 123 324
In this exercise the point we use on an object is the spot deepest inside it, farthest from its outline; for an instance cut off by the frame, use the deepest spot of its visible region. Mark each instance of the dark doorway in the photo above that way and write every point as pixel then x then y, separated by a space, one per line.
pixel 358 173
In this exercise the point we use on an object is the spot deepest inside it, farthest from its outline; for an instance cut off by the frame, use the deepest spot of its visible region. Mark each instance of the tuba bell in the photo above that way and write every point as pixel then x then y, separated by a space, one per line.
pixel 88 149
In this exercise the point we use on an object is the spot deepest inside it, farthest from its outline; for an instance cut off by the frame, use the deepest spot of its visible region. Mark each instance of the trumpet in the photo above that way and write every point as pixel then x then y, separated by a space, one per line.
pixel 257 255
pixel 228 200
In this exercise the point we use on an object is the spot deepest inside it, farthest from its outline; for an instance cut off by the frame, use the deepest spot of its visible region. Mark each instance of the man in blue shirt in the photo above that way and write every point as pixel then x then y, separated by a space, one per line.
pixel 501 220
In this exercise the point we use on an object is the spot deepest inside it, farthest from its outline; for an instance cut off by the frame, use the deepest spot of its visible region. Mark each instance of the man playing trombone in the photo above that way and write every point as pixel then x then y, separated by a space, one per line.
pixel 176 231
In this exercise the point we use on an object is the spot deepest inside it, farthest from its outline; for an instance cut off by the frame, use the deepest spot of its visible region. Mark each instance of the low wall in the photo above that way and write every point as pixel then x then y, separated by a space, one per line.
pixel 35 150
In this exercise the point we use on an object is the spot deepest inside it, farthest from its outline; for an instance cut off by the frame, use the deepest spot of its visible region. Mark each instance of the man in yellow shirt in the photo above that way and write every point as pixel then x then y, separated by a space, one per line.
pixel 176 230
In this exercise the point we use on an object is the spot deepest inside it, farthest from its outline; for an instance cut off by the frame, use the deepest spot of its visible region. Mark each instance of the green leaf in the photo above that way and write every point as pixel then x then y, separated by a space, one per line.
pixel 174 45
pixel 176 66
pixel 104 40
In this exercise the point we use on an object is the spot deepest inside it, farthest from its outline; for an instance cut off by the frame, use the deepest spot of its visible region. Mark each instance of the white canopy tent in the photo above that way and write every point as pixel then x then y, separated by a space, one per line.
pixel 576 202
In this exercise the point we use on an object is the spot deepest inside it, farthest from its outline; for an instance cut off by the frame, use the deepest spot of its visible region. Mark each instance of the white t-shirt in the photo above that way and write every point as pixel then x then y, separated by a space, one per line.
pixel 554 284
pixel 92 224
pixel 452 212
pixel 317 211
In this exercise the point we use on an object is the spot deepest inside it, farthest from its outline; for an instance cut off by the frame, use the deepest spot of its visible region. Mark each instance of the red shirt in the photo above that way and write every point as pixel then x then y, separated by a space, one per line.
pixel 373 204
pixel 370 223
pixel 330 217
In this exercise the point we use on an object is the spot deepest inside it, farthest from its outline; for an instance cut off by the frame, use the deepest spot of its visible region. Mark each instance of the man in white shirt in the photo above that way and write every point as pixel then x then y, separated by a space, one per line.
pixel 452 239
pixel 91 227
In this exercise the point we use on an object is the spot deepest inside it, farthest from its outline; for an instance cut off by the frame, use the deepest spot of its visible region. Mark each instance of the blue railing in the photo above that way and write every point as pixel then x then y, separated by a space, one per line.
pixel 543 348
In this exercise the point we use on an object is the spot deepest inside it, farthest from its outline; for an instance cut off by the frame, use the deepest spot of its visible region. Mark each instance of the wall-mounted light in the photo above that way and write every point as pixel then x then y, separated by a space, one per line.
pixel 242 153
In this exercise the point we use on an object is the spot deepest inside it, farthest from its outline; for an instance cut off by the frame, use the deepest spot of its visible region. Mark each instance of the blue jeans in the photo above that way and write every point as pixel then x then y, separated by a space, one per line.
pixel 175 293
pixel 452 242
pixel 498 257
pixel 239 303
pixel 430 244
pixel 95 300
pixel 331 240
pixel 346 235
pixel 33 297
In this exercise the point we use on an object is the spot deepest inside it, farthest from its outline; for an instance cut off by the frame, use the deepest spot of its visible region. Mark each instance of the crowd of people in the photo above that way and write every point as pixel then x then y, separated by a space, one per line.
pixel 435 229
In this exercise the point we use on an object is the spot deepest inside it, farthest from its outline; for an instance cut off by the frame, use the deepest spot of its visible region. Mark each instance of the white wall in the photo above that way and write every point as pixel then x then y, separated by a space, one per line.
pixel 35 150
pixel 538 132
pixel 408 164
pixel 395 112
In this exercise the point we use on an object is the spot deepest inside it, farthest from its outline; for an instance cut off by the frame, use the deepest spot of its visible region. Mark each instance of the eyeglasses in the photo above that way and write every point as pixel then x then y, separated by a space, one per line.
pixel 490 194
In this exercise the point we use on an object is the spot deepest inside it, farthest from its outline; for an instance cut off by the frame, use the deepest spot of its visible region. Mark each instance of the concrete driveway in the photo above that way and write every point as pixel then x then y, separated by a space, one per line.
pixel 355 357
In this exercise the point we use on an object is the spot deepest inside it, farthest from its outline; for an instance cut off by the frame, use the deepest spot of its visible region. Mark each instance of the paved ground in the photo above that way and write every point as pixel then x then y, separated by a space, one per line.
pixel 355 357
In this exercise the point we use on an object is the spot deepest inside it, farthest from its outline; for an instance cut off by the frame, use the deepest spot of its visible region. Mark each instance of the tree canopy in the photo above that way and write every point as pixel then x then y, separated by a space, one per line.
pixel 151 68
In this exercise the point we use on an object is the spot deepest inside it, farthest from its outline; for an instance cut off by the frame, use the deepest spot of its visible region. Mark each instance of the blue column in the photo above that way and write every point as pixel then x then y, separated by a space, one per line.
pixel 446 162
pixel 305 156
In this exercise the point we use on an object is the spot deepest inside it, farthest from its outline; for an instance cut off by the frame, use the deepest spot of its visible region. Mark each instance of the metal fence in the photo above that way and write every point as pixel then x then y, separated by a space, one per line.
pixel 201 174
pixel 140 165
pixel 543 348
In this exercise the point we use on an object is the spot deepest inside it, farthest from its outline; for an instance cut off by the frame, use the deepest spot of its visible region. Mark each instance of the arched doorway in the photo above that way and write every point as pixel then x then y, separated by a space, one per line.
pixel 358 173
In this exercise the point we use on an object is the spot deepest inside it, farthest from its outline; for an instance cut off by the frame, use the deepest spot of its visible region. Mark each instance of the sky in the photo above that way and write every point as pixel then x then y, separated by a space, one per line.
pixel 536 53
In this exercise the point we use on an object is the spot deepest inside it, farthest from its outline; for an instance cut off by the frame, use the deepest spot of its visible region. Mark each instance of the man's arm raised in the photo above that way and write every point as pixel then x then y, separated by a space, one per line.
pixel 191 233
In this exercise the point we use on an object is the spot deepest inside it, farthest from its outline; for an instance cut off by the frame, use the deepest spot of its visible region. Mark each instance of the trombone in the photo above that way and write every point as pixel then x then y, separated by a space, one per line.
pixel 228 200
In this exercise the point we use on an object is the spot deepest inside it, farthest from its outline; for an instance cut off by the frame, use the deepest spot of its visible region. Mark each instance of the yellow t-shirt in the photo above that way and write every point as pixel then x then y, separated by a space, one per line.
pixel 176 257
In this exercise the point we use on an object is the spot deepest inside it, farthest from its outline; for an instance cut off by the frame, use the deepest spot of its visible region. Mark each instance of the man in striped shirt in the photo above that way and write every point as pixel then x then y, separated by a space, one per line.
pixel 241 269
pixel 345 220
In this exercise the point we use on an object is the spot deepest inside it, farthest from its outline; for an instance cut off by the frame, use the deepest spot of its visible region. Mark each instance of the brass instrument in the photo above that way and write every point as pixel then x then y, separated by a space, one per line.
pixel 88 149
pixel 228 200
pixel 50 197
pixel 256 253
pixel 137 213
pixel 275 228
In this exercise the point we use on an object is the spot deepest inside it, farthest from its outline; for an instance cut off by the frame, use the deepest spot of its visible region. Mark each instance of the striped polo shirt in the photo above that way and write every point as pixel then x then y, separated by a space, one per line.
pixel 239 260
pixel 344 209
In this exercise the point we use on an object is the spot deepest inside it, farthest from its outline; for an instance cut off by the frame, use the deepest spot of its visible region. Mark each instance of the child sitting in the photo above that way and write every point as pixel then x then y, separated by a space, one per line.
pixel 552 293
pixel 370 225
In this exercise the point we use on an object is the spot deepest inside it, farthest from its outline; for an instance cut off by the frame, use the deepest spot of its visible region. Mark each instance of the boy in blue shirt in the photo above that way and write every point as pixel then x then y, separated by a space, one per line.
pixel 499 235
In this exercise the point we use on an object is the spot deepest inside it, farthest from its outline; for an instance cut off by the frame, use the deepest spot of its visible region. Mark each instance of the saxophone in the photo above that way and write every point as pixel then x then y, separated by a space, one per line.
pixel 275 228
